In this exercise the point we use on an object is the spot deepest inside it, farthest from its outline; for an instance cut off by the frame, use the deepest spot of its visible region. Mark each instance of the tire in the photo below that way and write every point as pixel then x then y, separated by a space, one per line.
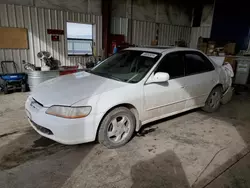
pixel 117 128
pixel 214 100
pixel 5 89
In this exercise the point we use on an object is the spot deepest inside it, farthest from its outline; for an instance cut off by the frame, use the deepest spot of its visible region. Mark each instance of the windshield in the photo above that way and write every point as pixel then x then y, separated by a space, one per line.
pixel 128 66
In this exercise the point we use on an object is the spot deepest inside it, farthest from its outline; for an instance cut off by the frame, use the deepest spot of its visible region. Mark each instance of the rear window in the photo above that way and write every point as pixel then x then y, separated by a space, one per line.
pixel 197 63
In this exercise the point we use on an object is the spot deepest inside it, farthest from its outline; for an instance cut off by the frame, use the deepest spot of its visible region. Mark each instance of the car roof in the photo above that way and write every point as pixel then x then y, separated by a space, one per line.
pixel 161 49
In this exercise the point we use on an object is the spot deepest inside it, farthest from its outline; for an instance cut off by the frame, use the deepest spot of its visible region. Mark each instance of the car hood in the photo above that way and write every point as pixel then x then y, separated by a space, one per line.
pixel 69 89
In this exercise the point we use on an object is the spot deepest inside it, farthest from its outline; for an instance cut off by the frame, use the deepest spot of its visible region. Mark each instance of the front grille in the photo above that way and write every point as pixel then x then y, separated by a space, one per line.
pixel 42 129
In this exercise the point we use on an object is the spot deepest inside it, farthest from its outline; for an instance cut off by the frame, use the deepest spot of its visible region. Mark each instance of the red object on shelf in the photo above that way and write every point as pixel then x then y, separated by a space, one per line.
pixel 116 40
pixel 68 70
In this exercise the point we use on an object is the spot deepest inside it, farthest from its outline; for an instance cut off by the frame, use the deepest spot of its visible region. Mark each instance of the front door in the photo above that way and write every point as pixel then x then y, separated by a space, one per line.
pixel 163 99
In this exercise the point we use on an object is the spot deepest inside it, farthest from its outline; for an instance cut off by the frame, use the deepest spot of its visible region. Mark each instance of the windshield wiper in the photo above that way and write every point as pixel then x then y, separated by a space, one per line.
pixel 106 75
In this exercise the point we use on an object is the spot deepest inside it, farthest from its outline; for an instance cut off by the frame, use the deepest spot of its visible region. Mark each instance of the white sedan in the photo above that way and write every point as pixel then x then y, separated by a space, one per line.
pixel 129 89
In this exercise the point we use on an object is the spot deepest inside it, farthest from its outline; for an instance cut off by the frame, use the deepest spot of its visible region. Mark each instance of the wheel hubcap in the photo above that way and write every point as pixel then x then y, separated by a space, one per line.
pixel 215 99
pixel 119 129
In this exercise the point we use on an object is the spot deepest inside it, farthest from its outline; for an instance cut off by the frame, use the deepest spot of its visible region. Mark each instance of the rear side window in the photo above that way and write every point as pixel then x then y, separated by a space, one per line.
pixel 172 64
pixel 197 63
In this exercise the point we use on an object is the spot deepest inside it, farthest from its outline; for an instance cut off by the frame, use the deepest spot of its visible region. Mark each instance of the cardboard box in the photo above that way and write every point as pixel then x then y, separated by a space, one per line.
pixel 202 47
pixel 230 48
pixel 204 50
pixel 210 51
pixel 211 46
pixel 202 40
pixel 154 42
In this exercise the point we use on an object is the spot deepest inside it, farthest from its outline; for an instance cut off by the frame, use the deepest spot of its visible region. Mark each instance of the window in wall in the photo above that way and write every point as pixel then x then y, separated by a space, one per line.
pixel 79 38
pixel 173 65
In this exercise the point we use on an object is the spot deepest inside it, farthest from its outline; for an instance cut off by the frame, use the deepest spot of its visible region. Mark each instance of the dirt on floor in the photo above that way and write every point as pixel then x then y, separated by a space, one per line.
pixel 193 149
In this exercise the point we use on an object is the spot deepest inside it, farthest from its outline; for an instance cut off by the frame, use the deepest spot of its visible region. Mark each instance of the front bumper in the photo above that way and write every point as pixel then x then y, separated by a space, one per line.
pixel 62 130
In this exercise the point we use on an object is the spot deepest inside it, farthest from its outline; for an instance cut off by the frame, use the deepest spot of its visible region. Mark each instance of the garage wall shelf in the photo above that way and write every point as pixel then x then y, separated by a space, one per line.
pixel 37 21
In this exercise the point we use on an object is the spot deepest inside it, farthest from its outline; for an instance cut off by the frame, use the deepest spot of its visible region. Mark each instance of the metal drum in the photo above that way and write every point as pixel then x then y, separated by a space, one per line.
pixel 242 71
pixel 37 77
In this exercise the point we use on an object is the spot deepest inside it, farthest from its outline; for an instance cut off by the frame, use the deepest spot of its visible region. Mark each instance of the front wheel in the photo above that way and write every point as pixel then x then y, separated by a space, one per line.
pixel 213 100
pixel 117 128
pixel 5 88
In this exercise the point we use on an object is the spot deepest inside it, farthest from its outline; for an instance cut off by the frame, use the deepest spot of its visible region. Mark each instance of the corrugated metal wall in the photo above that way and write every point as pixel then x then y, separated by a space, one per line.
pixel 144 32
pixel 119 26
pixel 37 21
pixel 169 34
pixel 197 32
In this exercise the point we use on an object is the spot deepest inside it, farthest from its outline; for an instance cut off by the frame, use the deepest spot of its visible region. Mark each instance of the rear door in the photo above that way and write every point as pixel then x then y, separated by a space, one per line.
pixel 200 78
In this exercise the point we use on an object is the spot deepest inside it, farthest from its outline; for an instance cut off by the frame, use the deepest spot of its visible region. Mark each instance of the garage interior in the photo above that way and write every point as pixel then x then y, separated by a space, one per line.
pixel 193 149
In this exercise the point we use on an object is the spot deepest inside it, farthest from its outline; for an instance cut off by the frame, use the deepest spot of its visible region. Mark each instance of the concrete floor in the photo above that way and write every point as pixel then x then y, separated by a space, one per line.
pixel 193 149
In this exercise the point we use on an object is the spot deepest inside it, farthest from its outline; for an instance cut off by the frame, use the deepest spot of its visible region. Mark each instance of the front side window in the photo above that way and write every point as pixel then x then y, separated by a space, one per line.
pixel 128 66
pixel 196 63
pixel 79 38
pixel 173 65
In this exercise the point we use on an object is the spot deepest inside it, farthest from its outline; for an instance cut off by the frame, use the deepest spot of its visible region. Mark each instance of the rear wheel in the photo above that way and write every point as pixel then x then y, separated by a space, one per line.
pixel 213 100
pixel 117 128
pixel 5 90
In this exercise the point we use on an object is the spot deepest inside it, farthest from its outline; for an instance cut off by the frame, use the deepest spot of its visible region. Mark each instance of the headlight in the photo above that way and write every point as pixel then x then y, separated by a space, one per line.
pixel 69 112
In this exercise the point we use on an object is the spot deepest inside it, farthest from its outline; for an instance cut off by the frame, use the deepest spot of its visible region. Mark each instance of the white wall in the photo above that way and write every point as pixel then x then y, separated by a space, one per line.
pixel 83 6
pixel 146 17
pixel 207 15
pixel 144 32
pixel 170 13
pixel 37 21
pixel 205 27
pixel 158 11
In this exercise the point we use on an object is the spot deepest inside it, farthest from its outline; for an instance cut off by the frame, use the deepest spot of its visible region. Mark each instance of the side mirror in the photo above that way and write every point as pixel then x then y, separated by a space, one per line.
pixel 158 77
